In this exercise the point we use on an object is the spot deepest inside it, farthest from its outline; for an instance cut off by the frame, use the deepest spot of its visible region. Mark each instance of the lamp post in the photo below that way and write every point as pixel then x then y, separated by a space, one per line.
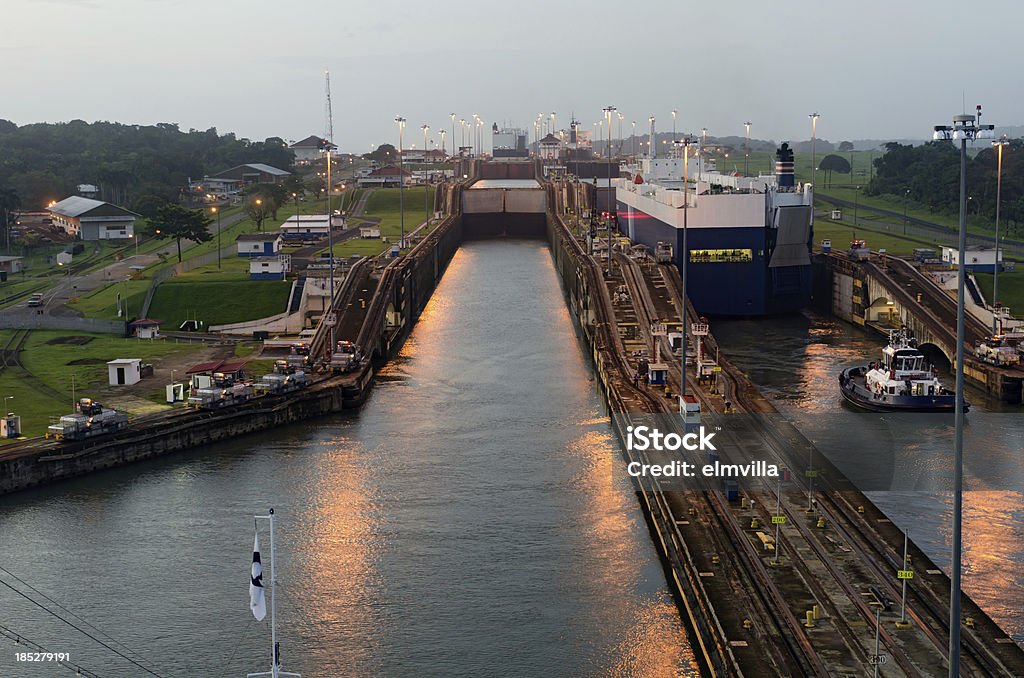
pixel 609 198
pixel 443 133
pixel 652 148
pixel 685 143
pixel 215 211
pixel 259 204
pixel 856 195
pixel 746 151
pixel 964 128
pixel 401 180
pixel 6 398
pixel 906 199
pixel 452 116
pixel 674 112
pixel 426 177
pixel 995 271
pixel 620 133
pixel 814 137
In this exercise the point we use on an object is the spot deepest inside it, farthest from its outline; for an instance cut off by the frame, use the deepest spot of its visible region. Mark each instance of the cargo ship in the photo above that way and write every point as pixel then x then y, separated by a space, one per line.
pixel 749 237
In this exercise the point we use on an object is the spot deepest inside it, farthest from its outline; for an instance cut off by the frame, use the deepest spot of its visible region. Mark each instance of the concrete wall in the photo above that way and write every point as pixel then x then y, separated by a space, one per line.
pixel 483 201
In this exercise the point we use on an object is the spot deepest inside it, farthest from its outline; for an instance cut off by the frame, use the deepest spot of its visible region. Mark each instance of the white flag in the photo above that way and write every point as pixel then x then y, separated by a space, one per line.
pixel 257 603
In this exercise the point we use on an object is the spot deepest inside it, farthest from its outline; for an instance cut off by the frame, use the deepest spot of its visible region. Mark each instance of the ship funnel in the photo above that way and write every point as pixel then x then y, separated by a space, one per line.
pixel 784 166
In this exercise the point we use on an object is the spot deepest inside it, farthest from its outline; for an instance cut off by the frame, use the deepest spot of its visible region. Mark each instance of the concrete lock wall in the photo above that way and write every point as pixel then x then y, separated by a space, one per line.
pixel 483 201
pixel 525 201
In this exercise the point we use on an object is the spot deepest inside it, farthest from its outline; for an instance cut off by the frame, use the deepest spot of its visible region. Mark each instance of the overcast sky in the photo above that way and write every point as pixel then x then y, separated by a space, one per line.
pixel 871 69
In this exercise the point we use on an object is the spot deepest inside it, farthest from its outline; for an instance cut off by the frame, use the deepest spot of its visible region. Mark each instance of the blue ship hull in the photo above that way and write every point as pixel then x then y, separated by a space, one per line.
pixel 747 288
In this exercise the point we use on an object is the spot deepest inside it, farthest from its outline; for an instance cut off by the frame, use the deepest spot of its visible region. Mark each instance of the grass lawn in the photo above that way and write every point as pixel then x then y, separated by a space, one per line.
pixel 102 302
pixel 43 388
pixel 217 301
pixel 1011 289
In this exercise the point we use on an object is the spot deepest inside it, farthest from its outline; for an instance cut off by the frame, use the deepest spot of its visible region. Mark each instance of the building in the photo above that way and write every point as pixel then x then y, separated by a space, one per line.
pixel 268 268
pixel 508 143
pixel 252 173
pixel 308 226
pixel 90 219
pixel 259 244
pixel 549 147
pixel 387 176
pixel 308 150
pixel 211 188
pixel 369 231
pixel 124 371
pixel 88 190
pixel 10 265
pixel 145 329
pixel 434 155
pixel 979 259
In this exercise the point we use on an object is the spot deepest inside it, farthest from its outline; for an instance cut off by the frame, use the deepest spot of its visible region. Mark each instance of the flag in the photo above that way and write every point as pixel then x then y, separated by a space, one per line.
pixel 257 603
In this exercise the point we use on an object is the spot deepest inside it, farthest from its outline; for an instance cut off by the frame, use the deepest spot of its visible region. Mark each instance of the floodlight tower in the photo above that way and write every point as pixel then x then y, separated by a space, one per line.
pixel 965 128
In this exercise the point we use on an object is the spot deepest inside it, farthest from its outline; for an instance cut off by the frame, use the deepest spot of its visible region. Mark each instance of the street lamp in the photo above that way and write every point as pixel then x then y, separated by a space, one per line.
pixel 995 271
pixel 746 151
pixel 609 198
pixel 633 135
pixel 6 398
pixel 215 211
pixel 964 129
pixel 856 195
pixel 652 148
pixel 401 179
pixel 814 136
pixel 426 176
pixel 906 199
pixel 674 111
pixel 685 142
pixel 452 116
pixel 443 154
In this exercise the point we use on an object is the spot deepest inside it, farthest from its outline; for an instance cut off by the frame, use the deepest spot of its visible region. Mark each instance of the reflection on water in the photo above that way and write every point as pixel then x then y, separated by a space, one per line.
pixel 463 523
pixel 796 361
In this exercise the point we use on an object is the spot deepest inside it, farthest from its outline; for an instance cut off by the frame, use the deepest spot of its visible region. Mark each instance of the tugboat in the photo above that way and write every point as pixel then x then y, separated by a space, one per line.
pixel 901 382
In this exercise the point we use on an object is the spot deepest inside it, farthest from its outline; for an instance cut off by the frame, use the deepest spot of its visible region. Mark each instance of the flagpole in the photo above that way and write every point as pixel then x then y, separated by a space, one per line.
pixel 275 665
pixel 275 661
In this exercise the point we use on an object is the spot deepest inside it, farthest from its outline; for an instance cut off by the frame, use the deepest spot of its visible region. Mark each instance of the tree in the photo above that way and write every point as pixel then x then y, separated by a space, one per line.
pixel 293 184
pixel 385 154
pixel 177 222
pixel 834 163
pixel 274 195
pixel 9 201
pixel 845 147
pixel 257 209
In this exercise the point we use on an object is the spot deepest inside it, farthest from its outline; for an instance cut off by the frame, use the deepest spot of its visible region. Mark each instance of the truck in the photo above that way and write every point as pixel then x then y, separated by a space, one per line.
pixel 91 419
pixel 277 384
pixel 345 357
pixel 216 397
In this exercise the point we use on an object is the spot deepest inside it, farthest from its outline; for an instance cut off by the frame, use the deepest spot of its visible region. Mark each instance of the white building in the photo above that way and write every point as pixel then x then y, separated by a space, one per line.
pixel 309 226
pixel 982 259
pixel 124 371
pixel 91 219
pixel 268 268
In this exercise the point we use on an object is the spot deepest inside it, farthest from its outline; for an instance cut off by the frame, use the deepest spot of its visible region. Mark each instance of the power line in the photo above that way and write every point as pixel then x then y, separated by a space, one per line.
pixel 21 640
pixel 80 630
pixel 70 612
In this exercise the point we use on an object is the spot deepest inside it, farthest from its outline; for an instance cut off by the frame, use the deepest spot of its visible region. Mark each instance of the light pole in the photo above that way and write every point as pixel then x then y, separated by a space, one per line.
pixel 259 204
pixel 856 195
pixel 443 154
pixel 746 151
pixel 6 398
pixel 963 129
pixel 652 148
pixel 215 211
pixel 995 271
pixel 452 116
pixel 401 180
pixel 426 179
pixel 685 143
pixel 620 133
pixel 609 198
pixel 462 129
pixel 814 137
pixel 674 112
pixel 906 199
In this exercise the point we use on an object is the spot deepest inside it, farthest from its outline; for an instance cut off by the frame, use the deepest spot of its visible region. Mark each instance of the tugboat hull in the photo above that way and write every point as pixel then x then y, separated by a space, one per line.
pixel 851 385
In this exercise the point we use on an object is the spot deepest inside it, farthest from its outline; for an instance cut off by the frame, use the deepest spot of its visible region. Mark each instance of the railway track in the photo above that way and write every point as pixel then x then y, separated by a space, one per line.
pixel 870 562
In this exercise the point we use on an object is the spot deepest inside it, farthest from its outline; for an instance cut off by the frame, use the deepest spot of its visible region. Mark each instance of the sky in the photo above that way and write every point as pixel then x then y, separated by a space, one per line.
pixel 872 70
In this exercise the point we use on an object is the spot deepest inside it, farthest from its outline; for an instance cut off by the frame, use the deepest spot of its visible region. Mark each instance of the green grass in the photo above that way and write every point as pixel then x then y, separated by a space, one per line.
pixel 43 389
pixel 1011 289
pixel 102 302
pixel 218 301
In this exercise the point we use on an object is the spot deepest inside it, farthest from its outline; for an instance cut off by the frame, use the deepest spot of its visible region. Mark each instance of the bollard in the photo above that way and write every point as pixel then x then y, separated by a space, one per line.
pixel 860 509
pixel 691 511
pixel 969 622
pixel 743 502
pixel 821 521
pixel 747 624
pixel 817 612
pixel 809 623
pixel 714 559
pixel 754 524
